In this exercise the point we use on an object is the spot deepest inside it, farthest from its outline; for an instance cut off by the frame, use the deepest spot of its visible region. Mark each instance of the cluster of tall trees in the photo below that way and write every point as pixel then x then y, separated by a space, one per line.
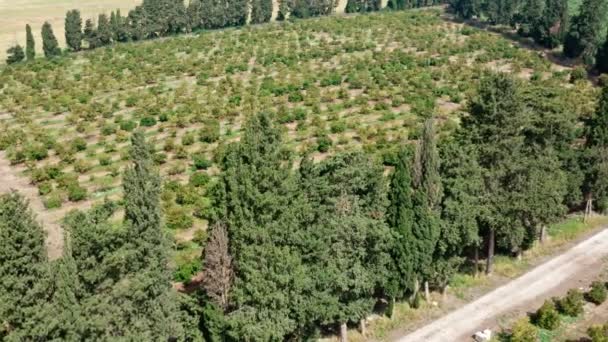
pixel 295 251
pixel 113 280
pixel 160 18
pixel 549 24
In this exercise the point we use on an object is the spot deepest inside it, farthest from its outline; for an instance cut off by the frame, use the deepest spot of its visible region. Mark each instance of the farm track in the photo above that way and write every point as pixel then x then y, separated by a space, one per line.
pixel 568 270
pixel 10 180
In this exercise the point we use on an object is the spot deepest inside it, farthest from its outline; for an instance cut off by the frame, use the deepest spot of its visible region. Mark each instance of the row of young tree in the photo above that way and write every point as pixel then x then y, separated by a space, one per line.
pixel 296 251
pixel 160 18
pixel 548 22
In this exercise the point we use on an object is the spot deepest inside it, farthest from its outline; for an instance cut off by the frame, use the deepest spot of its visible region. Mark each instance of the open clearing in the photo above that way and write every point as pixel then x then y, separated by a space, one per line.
pixel 15 14
pixel 571 269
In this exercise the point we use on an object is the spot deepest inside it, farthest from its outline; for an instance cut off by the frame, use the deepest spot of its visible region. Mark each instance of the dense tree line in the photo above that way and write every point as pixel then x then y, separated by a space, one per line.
pixel 548 23
pixel 296 251
pixel 161 18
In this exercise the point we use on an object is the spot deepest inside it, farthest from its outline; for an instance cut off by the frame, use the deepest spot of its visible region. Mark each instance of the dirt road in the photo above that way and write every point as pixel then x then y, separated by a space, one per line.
pixel 526 292
pixel 11 180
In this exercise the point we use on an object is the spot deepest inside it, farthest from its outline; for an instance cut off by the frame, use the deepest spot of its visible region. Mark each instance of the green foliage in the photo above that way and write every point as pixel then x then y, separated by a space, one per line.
pixel 602 57
pixel 360 6
pixel 547 316
pixel 261 11
pixel 598 333
pixel 596 155
pixel 73 30
pixel 597 293
pixel 30 46
pixel 523 331
pixel 178 218
pixel 76 193
pixel 148 121
pixel 400 217
pixel 22 267
pixel 585 32
pixel 49 42
pixel 15 54
pixel 199 179
pixel 572 304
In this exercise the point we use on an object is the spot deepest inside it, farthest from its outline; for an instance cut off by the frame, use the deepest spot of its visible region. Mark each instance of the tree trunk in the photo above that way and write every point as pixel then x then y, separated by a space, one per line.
pixel 362 327
pixel 588 208
pixel 476 261
pixel 427 293
pixel 543 234
pixel 518 255
pixel 343 332
pixel 444 293
pixel 489 261
pixel 391 307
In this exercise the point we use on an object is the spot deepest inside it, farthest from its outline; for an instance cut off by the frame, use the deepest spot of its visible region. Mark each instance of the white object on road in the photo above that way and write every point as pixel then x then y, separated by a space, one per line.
pixel 483 336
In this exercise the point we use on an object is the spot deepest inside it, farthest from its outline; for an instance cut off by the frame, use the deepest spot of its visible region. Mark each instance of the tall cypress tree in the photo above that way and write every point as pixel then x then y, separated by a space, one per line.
pixel 261 11
pixel 462 202
pixel 400 219
pixel 495 127
pixel 345 239
pixel 104 30
pixel 145 296
pixel 30 44
pixel 549 29
pixel 585 32
pixel 426 200
pixel 23 261
pixel 255 199
pixel 596 133
pixel 73 30
pixel 49 42
pixel 90 34
pixel 602 57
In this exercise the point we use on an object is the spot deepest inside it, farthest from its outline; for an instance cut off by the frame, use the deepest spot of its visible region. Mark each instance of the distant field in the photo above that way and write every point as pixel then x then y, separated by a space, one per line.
pixel 14 14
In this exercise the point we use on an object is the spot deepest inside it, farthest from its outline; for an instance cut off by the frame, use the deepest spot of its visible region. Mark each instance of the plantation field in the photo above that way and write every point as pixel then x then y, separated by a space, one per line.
pixel 336 83
pixel 15 14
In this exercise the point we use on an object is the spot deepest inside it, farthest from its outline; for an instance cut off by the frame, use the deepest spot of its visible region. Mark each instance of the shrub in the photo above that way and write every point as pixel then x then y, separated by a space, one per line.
pixel 200 162
pixel 185 271
pixel 148 121
pixel 199 179
pixel 45 188
pixel 597 293
pixel 128 125
pixel 81 166
pixel 108 129
pixel 598 333
pixel 36 152
pixel 577 74
pixel 188 139
pixel 547 316
pixel 76 193
pixel 572 304
pixel 323 144
pixel 79 144
pixel 159 158
pixel 52 201
pixel 523 331
pixel 178 218
pixel 210 132
pixel 200 237
pixel 105 160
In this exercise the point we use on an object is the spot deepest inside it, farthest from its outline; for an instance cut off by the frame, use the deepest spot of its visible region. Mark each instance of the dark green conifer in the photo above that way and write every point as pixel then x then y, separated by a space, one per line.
pixel 49 42
pixel 30 46
pixel 23 261
pixel 73 30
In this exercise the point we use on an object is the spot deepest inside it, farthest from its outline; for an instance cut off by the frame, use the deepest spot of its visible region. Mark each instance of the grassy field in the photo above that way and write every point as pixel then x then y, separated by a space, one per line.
pixel 336 83
pixel 15 14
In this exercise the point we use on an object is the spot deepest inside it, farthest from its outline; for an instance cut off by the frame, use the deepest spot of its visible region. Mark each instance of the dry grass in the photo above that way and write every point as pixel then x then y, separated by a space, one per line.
pixel 15 14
